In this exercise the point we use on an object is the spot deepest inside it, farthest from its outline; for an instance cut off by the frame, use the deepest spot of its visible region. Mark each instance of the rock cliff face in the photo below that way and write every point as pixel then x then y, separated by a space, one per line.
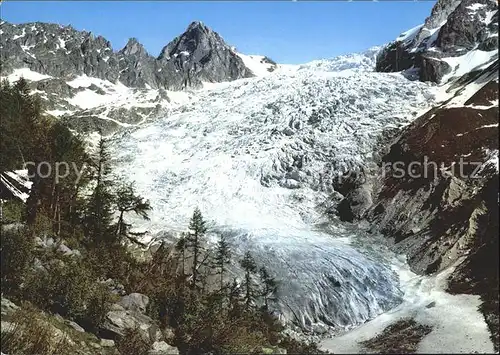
pixel 453 30
pixel 443 209
pixel 198 55
pixel 435 189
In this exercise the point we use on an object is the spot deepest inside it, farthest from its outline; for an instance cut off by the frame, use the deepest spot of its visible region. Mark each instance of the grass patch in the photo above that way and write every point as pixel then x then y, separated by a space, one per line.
pixel 30 334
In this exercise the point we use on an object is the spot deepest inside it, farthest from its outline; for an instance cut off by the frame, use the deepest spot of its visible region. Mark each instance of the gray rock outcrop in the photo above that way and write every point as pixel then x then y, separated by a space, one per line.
pixel 454 28
pixel 197 55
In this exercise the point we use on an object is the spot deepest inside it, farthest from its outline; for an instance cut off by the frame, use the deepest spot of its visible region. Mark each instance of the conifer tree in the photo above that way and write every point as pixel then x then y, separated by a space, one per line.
pixel 270 286
pixel 128 201
pixel 99 207
pixel 222 258
pixel 194 241
pixel 68 148
pixel 250 268
pixel 181 246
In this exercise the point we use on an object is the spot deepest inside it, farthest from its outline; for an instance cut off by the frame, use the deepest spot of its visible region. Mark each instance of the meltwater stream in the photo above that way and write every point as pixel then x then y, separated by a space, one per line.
pixel 258 156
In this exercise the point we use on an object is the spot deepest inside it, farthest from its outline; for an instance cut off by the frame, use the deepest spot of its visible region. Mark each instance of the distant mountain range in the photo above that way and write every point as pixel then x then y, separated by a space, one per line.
pixel 198 55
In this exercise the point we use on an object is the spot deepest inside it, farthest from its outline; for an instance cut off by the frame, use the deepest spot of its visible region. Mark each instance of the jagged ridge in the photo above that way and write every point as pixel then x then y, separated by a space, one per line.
pixel 198 55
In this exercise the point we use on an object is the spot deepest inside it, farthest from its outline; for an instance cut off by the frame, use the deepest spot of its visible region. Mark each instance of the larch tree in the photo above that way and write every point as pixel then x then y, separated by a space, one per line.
pixel 194 241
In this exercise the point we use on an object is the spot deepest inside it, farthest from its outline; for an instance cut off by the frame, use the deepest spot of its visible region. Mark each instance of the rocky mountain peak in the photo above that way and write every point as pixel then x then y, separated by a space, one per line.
pixel 133 47
pixel 197 38
pixel 200 54
pixel 454 28
pixel 197 25
pixel 196 56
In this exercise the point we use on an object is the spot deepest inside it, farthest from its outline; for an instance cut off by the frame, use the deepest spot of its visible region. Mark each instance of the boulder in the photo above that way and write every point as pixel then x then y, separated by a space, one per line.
pixel 107 343
pixel 7 306
pixel 134 302
pixel 75 326
pixel 118 320
pixel 162 348
pixel 433 69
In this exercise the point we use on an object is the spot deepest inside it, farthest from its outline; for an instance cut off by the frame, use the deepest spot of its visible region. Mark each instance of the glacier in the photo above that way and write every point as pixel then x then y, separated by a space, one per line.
pixel 259 157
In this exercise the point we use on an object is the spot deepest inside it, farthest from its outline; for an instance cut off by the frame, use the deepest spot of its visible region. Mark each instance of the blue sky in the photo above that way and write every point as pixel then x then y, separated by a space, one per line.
pixel 288 32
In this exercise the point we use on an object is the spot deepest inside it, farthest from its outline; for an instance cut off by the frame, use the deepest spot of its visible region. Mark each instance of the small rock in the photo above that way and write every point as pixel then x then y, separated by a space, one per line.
pixel 49 242
pixel 162 348
pixel 116 307
pixel 95 345
pixel 135 302
pixel 75 326
pixel 6 326
pixel 107 343
pixel 37 265
pixel 430 305
pixel 8 306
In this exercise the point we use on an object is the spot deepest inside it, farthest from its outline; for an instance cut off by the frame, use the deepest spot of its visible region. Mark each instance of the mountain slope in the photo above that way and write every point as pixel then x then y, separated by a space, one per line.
pixel 435 189
pixel 457 37
pixel 198 55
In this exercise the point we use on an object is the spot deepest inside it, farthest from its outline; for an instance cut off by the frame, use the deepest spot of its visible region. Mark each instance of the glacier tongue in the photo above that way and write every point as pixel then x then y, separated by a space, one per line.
pixel 258 156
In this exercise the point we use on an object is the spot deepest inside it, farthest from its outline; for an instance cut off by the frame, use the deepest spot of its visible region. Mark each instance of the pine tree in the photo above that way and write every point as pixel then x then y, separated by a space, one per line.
pixel 69 148
pixel 128 201
pixel 194 241
pixel 250 268
pixel 181 246
pixel 222 258
pixel 270 286
pixel 234 296
pixel 99 207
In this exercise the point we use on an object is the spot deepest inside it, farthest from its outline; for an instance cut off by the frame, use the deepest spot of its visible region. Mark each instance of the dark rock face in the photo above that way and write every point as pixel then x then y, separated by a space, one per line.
pixel 447 208
pixel 198 55
pixel 454 28
pixel 137 67
pixel 56 50
pixel 432 69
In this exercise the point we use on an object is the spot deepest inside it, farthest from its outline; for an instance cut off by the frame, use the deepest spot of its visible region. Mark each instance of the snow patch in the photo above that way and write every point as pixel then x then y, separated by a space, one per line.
pixel 23 33
pixel 410 34
pixel 27 74
pixel 257 64
pixel 466 63
pixel 475 7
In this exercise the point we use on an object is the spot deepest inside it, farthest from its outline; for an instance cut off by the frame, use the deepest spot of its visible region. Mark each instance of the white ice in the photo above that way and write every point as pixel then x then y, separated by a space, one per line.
pixel 233 150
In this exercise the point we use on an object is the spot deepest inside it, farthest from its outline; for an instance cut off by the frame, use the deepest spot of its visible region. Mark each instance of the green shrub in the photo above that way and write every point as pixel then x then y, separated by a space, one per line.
pixel 71 290
pixel 133 342
pixel 17 247
pixel 13 211
pixel 30 334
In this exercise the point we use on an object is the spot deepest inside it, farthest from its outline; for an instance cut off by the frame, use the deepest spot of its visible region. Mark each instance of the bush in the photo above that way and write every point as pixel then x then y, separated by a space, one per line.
pixel 133 343
pixel 71 290
pixel 12 211
pixel 17 247
pixel 30 334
